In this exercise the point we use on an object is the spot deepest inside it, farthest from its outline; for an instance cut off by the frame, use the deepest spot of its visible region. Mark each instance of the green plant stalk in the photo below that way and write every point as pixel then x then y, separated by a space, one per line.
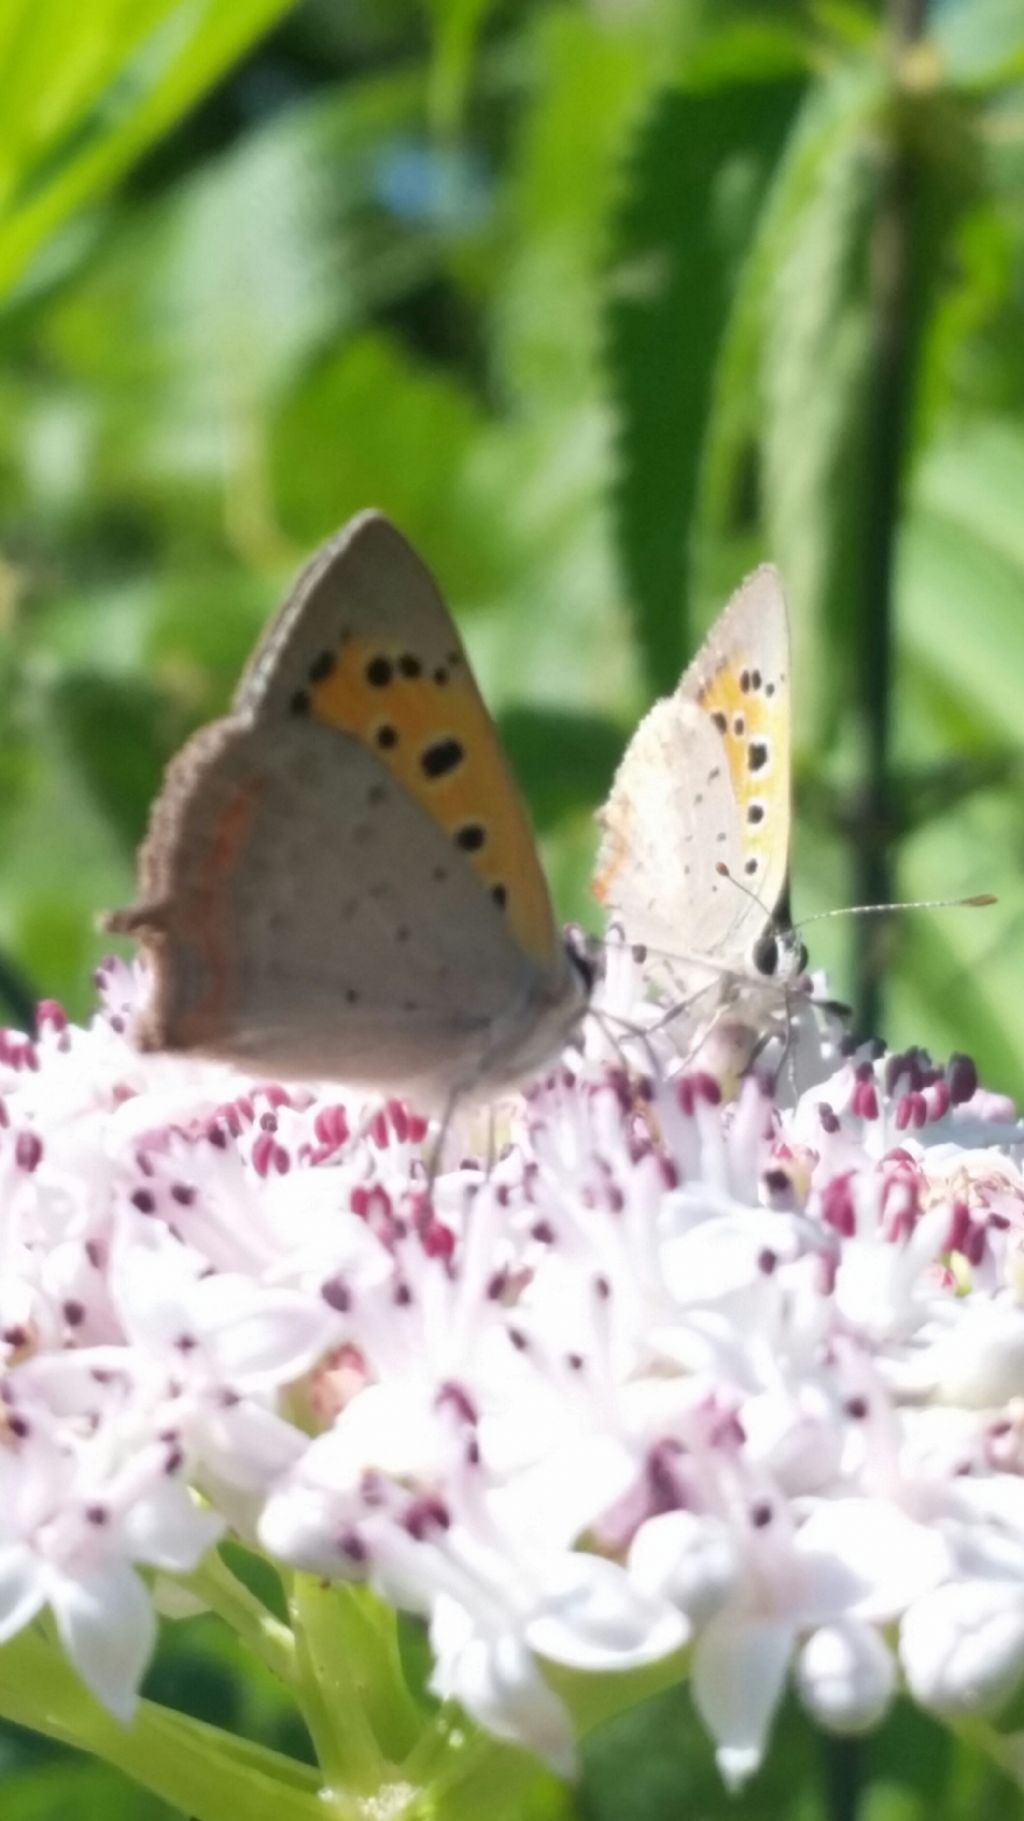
pixel 266 1637
pixel 333 1690
pixel 344 1676
pixel 891 383
pixel 197 1768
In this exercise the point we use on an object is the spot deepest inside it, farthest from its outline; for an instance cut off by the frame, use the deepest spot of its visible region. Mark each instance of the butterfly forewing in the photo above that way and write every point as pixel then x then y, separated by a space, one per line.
pixel 704 784
pixel 740 679
pixel 366 646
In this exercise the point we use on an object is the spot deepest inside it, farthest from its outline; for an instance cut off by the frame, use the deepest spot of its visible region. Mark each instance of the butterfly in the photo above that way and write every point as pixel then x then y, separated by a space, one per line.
pixel 694 855
pixel 339 880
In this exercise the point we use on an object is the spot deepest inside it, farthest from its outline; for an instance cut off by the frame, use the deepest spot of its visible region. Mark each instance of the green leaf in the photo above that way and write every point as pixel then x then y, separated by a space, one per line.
pixel 564 762
pixel 832 113
pixel 111 729
pixel 457 25
pixel 815 349
pixel 951 576
pixel 589 85
pixel 84 90
pixel 224 292
pixel 981 43
pixel 373 426
pixel 695 185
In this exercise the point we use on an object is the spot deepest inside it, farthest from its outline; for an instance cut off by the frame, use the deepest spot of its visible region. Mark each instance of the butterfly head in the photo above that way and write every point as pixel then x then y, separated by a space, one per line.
pixel 779 954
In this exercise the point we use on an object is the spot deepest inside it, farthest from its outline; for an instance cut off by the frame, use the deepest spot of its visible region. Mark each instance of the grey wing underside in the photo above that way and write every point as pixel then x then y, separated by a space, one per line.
pixel 365 579
pixel 304 918
pixel 669 820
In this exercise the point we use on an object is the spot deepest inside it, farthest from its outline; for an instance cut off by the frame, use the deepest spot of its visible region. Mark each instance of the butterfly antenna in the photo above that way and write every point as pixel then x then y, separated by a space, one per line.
pixel 748 891
pixel 976 902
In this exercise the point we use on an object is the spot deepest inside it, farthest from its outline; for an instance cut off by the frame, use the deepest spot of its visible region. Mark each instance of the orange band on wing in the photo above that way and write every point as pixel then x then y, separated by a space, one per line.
pixel 428 726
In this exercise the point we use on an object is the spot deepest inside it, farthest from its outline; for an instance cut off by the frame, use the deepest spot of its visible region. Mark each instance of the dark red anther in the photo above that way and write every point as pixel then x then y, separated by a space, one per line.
pixel 706 1088
pixel 331 1126
pixel 837 1209
pixel 961 1078
pixel 456 1399
pixel 437 1240
pixel 28 1151
pixel 426 1515
pixel 864 1104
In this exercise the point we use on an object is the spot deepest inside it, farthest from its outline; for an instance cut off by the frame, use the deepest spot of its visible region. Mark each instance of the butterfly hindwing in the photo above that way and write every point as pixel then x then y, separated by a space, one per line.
pixel 348 898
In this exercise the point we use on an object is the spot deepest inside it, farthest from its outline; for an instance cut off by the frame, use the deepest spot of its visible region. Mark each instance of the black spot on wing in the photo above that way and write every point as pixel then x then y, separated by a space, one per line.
pixel 441 757
pixel 322 666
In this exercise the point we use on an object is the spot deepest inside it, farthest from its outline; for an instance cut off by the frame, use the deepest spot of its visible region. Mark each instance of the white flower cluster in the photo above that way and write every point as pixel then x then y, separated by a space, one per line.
pixel 735 1381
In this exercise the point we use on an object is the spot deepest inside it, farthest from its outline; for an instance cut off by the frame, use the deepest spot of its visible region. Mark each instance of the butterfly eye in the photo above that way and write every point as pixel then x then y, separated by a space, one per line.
pixel 766 953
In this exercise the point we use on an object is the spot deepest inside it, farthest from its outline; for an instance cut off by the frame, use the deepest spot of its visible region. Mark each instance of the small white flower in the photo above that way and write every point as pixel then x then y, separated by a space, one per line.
pixel 962 1646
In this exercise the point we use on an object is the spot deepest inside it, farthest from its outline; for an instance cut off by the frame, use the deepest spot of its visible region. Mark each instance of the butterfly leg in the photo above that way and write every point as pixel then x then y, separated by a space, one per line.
pixel 444 1127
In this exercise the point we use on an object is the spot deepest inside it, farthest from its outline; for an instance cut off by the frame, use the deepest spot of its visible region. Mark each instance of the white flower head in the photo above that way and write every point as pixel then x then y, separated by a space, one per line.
pixel 722 1380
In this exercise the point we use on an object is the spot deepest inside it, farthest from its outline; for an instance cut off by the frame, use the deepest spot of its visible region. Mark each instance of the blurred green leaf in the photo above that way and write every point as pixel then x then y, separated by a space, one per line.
pixel 695 185
pixel 69 1787
pixel 224 293
pixel 983 42
pixel 374 427
pixel 112 732
pixel 949 576
pixel 833 116
pixel 85 89
pixel 456 26
pixel 590 85
pixel 565 762
pixel 815 351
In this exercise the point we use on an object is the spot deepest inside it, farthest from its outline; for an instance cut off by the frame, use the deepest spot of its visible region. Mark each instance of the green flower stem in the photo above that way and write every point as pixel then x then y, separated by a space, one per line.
pixel 371 1628
pixel 231 1600
pixel 339 1684
pixel 203 1772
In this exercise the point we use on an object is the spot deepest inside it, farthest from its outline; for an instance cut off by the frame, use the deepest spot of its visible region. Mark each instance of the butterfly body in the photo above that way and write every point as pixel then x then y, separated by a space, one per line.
pixel 339 879
pixel 695 835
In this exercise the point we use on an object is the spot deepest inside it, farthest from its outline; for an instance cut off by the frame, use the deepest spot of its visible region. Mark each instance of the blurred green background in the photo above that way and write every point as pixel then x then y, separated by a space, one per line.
pixel 604 302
